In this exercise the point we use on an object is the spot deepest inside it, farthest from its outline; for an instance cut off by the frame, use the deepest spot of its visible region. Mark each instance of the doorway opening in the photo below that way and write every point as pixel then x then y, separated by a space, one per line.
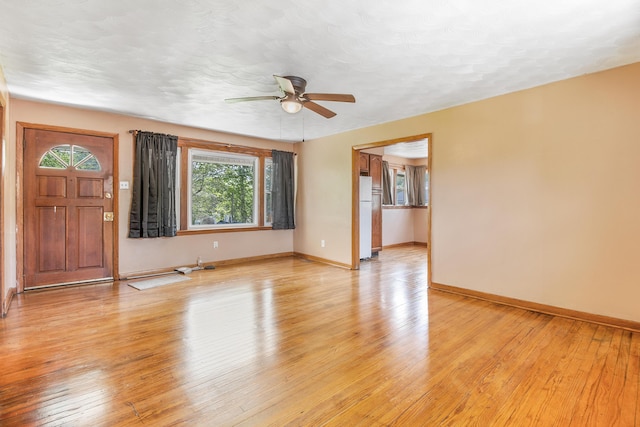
pixel 416 150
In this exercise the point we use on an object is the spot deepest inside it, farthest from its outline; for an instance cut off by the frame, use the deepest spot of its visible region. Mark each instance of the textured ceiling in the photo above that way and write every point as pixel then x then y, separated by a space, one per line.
pixel 408 150
pixel 177 60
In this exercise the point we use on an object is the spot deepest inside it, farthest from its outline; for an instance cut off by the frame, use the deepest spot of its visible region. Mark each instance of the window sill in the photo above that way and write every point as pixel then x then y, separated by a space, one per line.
pixel 404 207
pixel 221 230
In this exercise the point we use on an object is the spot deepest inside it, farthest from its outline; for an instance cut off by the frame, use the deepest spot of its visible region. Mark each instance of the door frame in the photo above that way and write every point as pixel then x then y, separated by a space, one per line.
pixel 20 128
pixel 355 191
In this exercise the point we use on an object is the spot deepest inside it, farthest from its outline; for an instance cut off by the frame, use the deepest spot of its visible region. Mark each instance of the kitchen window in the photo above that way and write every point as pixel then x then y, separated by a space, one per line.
pixel 400 189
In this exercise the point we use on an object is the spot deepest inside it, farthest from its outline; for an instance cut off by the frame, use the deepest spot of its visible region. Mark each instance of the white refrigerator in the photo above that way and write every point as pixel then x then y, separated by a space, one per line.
pixel 365 217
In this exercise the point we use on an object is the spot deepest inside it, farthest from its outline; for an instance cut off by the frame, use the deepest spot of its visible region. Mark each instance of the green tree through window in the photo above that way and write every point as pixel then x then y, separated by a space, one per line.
pixel 223 188
pixel 64 156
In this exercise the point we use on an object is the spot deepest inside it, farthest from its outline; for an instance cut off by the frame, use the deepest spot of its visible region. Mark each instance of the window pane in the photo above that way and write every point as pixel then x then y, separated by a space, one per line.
pixel 222 189
pixel 51 161
pixel 268 204
pixel 400 189
pixel 89 163
pixel 80 154
pixel 426 189
pixel 63 152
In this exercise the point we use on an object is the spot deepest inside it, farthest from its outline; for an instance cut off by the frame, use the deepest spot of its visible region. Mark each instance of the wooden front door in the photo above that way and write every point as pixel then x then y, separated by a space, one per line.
pixel 68 208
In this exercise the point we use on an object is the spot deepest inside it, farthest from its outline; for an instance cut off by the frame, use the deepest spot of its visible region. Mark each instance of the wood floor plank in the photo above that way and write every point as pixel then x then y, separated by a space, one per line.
pixel 625 389
pixel 593 387
pixel 292 342
pixel 632 378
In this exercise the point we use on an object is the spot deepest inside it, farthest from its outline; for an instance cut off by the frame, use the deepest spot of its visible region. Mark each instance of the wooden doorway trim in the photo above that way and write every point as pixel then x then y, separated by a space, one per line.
pixel 355 190
pixel 20 128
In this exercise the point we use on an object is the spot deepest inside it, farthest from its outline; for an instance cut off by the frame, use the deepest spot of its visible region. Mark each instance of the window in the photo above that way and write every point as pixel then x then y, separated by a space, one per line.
pixel 222 189
pixel 64 156
pixel 401 196
pixel 400 189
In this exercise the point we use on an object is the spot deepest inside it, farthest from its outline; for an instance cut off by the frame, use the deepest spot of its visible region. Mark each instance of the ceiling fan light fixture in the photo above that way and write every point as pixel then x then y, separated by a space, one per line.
pixel 290 104
pixel 293 97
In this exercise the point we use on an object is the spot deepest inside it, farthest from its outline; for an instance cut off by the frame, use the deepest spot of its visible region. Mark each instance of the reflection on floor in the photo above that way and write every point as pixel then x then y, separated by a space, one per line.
pixel 292 341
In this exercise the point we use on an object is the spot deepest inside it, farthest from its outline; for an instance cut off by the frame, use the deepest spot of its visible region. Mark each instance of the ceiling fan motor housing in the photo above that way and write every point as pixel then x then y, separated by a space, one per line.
pixel 299 84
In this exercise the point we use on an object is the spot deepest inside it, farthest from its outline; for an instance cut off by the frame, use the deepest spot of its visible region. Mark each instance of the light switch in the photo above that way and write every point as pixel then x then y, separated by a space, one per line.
pixel 124 185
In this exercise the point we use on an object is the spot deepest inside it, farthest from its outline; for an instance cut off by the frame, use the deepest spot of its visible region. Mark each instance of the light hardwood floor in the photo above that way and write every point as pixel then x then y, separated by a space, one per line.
pixel 293 342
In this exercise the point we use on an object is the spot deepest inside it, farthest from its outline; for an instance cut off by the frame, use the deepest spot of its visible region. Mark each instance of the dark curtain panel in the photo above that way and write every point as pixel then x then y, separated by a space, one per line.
pixel 282 190
pixel 387 199
pixel 416 184
pixel 153 202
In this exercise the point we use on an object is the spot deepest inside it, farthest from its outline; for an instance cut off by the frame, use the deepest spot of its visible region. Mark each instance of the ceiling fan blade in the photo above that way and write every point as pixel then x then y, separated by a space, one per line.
pixel 285 84
pixel 339 97
pixel 251 98
pixel 317 108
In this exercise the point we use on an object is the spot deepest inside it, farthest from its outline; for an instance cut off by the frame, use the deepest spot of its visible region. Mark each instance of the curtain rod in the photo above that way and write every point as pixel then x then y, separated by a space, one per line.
pixel 135 131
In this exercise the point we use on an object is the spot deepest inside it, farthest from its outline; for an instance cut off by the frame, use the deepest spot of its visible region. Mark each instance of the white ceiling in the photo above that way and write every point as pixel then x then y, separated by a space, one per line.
pixel 177 60
pixel 408 150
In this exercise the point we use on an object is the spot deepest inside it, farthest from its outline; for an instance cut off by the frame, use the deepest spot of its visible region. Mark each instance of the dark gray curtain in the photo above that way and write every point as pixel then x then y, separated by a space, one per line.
pixel 416 183
pixel 282 190
pixel 153 202
pixel 387 199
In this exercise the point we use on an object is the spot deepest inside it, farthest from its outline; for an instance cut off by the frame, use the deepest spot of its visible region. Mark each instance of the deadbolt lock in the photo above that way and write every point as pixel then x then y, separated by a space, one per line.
pixel 108 216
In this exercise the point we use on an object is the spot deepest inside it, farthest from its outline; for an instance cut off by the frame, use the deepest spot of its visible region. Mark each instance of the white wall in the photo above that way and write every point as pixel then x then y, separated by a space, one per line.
pixel 397 226
pixel 404 226
pixel 420 225
pixel 8 199
pixel 535 195
pixel 323 208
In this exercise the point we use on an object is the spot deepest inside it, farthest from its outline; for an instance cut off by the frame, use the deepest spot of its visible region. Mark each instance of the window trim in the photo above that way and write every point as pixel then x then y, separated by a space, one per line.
pixel 184 145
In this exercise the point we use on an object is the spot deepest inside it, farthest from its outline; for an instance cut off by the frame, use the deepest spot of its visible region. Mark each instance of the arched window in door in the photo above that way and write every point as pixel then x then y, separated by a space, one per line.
pixel 69 156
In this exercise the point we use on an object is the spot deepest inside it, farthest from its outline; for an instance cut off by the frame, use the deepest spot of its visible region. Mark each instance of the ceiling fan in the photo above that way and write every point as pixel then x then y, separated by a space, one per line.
pixel 294 97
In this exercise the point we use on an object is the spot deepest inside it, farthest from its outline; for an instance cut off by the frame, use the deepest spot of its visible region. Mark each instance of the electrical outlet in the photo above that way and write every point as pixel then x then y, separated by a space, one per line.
pixel 322 243
pixel 124 185
pixel 215 244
